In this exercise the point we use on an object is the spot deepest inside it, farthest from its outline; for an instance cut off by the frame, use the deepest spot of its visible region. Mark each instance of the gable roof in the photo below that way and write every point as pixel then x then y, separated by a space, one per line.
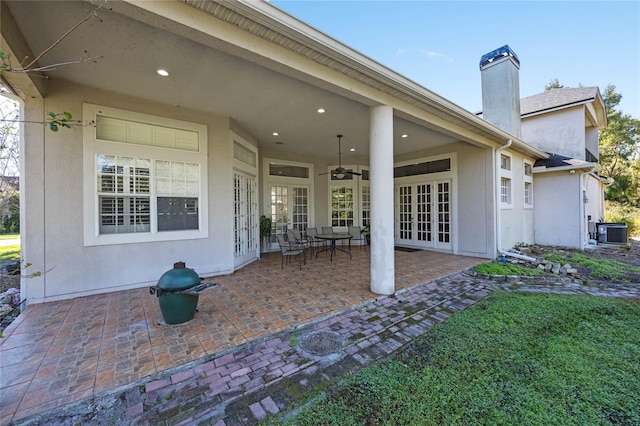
pixel 558 98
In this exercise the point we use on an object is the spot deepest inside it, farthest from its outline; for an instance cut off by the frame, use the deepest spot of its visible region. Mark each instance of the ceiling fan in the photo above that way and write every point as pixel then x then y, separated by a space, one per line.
pixel 340 172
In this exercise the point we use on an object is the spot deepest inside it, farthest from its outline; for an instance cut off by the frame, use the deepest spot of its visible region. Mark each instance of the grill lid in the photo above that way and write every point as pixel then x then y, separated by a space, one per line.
pixel 179 278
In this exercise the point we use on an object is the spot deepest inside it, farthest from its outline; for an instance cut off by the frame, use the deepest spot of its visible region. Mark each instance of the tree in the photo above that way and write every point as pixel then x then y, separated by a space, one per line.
pixel 620 151
pixel 553 84
pixel 9 165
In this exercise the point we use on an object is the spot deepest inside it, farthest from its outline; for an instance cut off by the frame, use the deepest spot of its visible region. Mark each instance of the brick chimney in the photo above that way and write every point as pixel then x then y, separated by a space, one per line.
pixel 499 70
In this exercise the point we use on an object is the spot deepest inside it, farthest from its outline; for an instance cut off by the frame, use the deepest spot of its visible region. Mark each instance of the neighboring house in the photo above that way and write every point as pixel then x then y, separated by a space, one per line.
pixel 180 167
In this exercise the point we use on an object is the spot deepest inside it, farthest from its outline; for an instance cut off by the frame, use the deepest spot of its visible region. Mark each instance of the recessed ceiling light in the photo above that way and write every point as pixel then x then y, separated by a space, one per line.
pixel 405 136
pixel 321 110
pixel 276 134
pixel 163 73
pixel 352 149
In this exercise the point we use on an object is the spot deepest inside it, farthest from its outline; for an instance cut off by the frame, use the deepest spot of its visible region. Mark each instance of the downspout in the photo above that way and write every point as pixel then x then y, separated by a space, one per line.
pixel 498 196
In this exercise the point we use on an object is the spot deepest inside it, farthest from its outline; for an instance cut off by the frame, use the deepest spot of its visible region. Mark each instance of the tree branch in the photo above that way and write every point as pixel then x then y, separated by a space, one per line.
pixel 48 49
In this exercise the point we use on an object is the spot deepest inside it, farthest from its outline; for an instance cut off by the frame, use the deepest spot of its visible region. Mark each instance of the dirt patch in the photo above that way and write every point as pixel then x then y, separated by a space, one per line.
pixel 628 254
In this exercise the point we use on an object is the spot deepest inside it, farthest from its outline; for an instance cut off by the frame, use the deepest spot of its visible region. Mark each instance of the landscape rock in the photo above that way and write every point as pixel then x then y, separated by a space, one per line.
pixel 5 309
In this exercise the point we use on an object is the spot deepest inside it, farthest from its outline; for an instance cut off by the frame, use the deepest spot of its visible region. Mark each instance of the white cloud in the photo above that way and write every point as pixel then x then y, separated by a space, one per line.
pixel 424 52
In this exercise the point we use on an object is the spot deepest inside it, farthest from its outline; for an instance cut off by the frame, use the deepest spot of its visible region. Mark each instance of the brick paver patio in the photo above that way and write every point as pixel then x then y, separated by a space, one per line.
pixel 60 352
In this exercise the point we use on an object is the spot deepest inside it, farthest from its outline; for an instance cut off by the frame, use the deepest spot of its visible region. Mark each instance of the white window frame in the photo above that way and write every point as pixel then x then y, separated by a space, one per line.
pixel 505 191
pixel 92 147
pixel 505 162
pixel 528 184
pixel 506 181
pixel 268 180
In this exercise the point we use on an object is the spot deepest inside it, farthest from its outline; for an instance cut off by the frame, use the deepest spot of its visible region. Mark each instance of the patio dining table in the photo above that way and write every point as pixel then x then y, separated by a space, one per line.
pixel 333 238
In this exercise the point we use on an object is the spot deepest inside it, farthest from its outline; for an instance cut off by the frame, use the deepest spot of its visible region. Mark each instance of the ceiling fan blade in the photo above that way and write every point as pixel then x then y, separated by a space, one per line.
pixel 352 173
pixel 325 173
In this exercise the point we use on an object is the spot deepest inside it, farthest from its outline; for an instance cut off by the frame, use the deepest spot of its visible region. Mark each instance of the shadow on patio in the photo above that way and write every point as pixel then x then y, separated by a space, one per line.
pixel 59 352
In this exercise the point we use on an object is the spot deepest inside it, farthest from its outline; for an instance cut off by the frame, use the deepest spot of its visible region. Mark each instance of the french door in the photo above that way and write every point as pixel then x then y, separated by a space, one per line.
pixel 246 233
pixel 289 207
pixel 423 215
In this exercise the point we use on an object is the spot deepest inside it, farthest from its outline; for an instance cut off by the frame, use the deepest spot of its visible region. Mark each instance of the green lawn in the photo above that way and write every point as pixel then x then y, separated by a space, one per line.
pixel 512 359
pixel 9 251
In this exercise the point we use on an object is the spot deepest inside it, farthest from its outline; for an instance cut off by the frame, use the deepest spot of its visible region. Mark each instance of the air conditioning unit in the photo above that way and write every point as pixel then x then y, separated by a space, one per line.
pixel 613 233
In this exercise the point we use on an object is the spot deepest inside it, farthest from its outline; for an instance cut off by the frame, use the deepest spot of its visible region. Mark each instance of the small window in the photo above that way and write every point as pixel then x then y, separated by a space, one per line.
pixel 505 162
pixel 527 169
pixel 427 167
pixel 528 194
pixel 286 170
pixel 505 191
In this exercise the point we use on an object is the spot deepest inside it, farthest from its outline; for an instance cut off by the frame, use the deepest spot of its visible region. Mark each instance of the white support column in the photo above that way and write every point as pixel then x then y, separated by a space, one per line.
pixel 381 181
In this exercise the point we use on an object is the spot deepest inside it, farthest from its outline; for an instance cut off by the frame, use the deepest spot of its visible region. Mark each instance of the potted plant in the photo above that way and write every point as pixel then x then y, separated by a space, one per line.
pixel 366 232
pixel 265 231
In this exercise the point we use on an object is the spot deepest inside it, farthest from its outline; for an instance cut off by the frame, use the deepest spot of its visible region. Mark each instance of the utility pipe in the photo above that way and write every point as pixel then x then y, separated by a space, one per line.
pixel 498 232
pixel 517 256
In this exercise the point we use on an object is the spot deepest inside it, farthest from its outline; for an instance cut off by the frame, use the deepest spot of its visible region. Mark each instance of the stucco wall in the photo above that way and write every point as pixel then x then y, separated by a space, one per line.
pixel 473 204
pixel 592 141
pixel 561 132
pixel 55 205
pixel 557 201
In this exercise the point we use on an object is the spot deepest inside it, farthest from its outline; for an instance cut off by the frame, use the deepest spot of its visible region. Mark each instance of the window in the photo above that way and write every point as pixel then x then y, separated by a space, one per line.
pixel 288 170
pixel 505 180
pixel 505 190
pixel 147 176
pixel 505 162
pixel 341 206
pixel 528 184
pixel 528 194
pixel 423 168
pixel 125 194
pixel 366 204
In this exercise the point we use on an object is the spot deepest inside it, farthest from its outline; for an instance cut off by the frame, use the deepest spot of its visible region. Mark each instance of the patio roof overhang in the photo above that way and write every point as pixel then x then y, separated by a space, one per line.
pixel 247 60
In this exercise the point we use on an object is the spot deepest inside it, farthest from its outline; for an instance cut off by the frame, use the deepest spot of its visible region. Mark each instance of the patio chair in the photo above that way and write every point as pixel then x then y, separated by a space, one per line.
pixel 356 231
pixel 300 239
pixel 288 250
pixel 315 242
pixel 327 229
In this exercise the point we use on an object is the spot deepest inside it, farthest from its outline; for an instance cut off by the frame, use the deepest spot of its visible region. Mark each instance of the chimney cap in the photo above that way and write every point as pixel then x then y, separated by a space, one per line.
pixel 504 51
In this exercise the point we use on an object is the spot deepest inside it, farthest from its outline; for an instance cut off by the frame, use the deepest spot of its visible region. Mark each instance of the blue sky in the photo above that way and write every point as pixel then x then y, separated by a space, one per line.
pixel 438 44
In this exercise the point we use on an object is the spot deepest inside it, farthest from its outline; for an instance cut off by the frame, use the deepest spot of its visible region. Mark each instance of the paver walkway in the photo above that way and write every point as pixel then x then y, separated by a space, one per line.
pixel 267 377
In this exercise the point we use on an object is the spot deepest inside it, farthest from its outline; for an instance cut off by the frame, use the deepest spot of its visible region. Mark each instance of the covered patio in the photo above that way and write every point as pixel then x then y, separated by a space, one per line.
pixel 60 352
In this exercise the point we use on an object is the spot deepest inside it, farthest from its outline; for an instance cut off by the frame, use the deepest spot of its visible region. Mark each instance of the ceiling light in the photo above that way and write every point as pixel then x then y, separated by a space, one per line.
pixel 352 150
pixel 405 136
pixel 321 110
pixel 163 73
pixel 275 133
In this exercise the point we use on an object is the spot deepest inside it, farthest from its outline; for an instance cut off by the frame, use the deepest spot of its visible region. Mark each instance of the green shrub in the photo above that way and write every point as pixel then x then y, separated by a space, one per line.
pixel 616 212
